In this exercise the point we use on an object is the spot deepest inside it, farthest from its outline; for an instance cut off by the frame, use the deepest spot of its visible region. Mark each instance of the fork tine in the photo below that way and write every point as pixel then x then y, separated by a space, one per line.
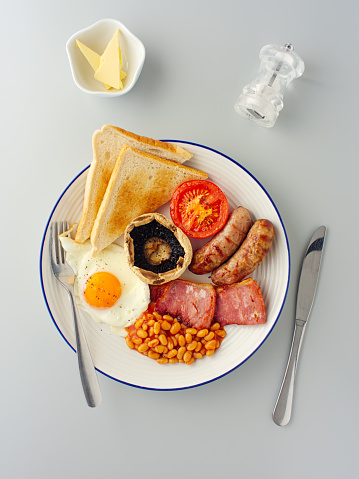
pixel 62 252
pixel 51 243
pixel 56 241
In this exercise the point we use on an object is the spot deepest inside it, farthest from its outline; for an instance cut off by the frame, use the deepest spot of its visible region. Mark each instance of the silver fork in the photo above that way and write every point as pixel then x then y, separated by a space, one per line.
pixel 62 272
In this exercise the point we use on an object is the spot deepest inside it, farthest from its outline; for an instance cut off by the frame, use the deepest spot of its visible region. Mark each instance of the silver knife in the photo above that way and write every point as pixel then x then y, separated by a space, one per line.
pixel 305 298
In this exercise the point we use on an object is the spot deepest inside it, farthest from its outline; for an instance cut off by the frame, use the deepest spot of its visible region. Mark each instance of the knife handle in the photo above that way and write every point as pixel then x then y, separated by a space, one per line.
pixel 283 408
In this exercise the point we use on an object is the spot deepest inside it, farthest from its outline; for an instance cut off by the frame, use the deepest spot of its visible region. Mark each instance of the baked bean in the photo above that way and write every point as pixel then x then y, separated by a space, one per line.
pixel 166 325
pixel 198 347
pixel 202 333
pixel 211 344
pixel 143 347
pixel 192 331
pixel 181 352
pixel 221 333
pixel 209 336
pixel 167 340
pixel 139 323
pixel 162 360
pixel 187 356
pixel 153 355
pixel 175 328
pixel 191 346
pixel 142 334
pixel 215 326
pixel 129 343
pixel 159 349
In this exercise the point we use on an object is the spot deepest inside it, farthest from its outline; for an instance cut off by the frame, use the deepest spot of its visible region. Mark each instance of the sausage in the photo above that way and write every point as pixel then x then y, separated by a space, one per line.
pixel 223 244
pixel 250 254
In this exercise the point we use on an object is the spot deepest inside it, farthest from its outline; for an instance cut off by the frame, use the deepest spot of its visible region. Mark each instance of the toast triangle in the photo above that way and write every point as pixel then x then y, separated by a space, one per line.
pixel 140 183
pixel 106 145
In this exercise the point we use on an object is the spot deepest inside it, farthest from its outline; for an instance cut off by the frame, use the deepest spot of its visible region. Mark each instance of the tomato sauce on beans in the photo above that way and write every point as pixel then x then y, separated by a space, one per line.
pixel 166 340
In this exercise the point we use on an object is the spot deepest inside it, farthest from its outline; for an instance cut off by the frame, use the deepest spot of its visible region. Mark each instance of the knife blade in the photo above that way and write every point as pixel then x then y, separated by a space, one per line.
pixel 305 299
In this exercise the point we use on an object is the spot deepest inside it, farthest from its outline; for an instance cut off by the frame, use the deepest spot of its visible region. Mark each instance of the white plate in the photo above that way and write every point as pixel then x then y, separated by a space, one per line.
pixel 110 353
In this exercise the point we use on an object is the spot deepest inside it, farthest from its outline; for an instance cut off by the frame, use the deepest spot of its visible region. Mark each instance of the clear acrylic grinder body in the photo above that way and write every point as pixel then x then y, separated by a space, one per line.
pixel 262 99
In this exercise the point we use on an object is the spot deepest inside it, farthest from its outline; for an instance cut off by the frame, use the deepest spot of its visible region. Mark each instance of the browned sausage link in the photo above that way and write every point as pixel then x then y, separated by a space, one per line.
pixel 251 253
pixel 223 244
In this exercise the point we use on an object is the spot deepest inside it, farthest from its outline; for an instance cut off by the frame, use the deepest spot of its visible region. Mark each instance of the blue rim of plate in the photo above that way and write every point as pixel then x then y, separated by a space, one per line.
pixel 221 375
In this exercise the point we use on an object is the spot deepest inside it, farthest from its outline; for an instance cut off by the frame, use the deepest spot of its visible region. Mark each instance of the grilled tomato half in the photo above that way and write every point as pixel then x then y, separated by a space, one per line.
pixel 199 208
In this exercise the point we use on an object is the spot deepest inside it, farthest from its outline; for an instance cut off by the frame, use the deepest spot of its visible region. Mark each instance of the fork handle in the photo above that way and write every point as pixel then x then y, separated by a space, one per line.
pixel 87 370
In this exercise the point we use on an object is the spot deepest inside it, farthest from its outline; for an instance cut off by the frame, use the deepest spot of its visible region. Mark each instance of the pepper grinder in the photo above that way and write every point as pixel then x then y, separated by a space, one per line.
pixel 262 99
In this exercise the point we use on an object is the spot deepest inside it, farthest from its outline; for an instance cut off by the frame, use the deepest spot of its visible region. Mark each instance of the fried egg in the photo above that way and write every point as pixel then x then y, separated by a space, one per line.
pixel 104 285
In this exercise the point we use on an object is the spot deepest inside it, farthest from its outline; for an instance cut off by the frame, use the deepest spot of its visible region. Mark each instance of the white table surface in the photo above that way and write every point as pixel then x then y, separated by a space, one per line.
pixel 200 54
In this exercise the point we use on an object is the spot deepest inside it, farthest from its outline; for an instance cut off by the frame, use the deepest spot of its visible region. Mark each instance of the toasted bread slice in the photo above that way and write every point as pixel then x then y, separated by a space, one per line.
pixel 107 144
pixel 140 183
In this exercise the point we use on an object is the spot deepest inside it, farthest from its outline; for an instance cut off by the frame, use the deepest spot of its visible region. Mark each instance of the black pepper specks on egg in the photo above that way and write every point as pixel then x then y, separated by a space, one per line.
pixel 140 236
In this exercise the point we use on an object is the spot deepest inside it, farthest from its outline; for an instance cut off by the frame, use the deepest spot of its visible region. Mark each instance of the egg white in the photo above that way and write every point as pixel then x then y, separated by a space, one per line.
pixel 135 295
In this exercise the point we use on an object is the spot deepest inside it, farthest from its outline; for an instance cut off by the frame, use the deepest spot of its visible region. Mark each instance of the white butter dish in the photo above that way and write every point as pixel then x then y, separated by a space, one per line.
pixel 96 37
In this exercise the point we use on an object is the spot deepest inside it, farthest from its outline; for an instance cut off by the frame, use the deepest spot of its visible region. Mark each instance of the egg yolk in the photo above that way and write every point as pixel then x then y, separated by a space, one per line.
pixel 102 290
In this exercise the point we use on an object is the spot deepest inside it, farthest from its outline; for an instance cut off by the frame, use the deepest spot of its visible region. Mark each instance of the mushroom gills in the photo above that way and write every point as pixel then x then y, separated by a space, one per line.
pixel 156 248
